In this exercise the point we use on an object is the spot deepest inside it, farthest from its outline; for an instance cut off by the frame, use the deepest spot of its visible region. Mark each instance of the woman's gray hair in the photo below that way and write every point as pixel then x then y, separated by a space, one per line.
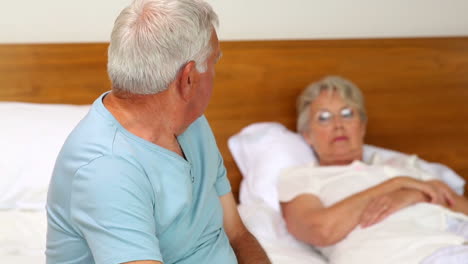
pixel 153 39
pixel 346 89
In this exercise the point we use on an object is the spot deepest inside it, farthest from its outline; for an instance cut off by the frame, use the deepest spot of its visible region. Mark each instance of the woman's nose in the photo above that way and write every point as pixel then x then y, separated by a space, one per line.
pixel 337 122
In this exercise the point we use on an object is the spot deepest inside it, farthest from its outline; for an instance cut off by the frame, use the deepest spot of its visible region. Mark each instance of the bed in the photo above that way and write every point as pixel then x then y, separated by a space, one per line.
pixel 416 92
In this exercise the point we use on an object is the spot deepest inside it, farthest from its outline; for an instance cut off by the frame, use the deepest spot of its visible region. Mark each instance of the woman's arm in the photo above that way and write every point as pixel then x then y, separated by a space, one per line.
pixel 308 220
pixel 383 206
pixel 387 204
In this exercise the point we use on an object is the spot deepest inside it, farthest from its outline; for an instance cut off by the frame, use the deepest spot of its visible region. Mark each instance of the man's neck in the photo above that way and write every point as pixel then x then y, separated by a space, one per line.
pixel 151 117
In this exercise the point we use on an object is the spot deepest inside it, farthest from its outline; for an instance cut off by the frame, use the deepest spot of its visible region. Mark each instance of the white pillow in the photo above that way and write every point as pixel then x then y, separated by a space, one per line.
pixel 31 136
pixel 262 150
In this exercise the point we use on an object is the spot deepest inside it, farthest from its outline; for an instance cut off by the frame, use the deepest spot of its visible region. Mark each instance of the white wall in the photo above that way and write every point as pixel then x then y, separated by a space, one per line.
pixel 92 20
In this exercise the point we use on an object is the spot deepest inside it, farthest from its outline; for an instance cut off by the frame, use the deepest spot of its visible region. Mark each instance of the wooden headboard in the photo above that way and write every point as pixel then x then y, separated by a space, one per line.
pixel 416 90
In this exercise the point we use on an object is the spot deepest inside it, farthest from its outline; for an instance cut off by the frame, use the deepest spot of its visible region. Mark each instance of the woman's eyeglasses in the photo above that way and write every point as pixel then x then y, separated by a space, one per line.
pixel 325 117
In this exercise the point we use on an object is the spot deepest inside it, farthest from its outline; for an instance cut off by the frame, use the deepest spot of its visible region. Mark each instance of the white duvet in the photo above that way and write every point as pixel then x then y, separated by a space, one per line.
pixel 407 236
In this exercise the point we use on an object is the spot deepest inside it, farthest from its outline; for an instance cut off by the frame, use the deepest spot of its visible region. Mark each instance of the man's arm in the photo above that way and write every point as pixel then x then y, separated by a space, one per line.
pixel 143 262
pixel 244 244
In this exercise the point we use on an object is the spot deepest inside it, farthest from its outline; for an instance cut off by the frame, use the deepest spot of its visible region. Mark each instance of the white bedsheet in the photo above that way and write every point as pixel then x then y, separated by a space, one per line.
pixel 23 233
pixel 4 259
pixel 267 225
pixel 22 236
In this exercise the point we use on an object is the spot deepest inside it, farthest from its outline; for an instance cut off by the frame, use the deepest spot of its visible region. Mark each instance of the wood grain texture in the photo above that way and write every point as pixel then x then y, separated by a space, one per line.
pixel 53 73
pixel 416 90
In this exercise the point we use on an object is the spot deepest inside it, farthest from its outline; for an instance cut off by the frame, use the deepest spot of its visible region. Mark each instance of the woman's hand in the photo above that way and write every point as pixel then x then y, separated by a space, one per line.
pixel 404 182
pixel 383 206
pixel 412 191
pixel 437 191
pixel 445 193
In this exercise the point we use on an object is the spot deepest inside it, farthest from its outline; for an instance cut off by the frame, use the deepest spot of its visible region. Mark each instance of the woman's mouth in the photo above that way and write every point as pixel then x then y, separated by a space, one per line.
pixel 341 138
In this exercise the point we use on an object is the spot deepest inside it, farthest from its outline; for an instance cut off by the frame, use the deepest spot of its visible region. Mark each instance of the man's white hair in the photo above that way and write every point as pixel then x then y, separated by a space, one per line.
pixel 153 39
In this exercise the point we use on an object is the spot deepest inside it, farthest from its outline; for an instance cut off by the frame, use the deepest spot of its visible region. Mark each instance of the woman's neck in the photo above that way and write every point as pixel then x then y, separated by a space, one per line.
pixel 340 160
pixel 336 162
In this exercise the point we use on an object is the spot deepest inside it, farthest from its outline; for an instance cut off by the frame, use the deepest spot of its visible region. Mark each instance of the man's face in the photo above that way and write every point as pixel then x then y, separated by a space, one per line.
pixel 207 78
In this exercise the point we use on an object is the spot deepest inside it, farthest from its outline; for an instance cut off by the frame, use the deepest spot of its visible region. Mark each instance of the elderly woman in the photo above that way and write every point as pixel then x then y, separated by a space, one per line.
pixel 356 211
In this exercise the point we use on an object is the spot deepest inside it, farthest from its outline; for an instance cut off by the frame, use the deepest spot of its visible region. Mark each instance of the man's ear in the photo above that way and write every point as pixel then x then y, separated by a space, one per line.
pixel 187 80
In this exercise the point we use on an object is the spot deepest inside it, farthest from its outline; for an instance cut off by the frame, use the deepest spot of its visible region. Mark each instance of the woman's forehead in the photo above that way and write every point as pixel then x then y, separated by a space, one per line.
pixel 329 99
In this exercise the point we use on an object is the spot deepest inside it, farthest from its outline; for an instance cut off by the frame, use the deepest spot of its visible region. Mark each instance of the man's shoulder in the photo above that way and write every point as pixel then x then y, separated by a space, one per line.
pixel 108 172
pixel 92 137
pixel 201 129
pixel 201 124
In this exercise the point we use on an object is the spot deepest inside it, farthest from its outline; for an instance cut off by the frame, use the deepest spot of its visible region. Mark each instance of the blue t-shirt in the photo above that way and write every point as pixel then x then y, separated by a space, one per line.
pixel 115 197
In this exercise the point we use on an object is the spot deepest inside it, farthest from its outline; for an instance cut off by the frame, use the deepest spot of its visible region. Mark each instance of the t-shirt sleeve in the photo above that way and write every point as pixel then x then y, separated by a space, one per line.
pixel 295 181
pixel 222 184
pixel 112 206
pixel 407 165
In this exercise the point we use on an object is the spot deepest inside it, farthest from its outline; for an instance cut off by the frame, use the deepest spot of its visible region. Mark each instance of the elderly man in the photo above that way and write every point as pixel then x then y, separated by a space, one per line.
pixel 140 179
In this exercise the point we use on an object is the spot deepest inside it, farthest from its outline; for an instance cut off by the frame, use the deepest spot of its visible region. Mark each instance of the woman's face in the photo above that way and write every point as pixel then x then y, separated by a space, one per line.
pixel 336 131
